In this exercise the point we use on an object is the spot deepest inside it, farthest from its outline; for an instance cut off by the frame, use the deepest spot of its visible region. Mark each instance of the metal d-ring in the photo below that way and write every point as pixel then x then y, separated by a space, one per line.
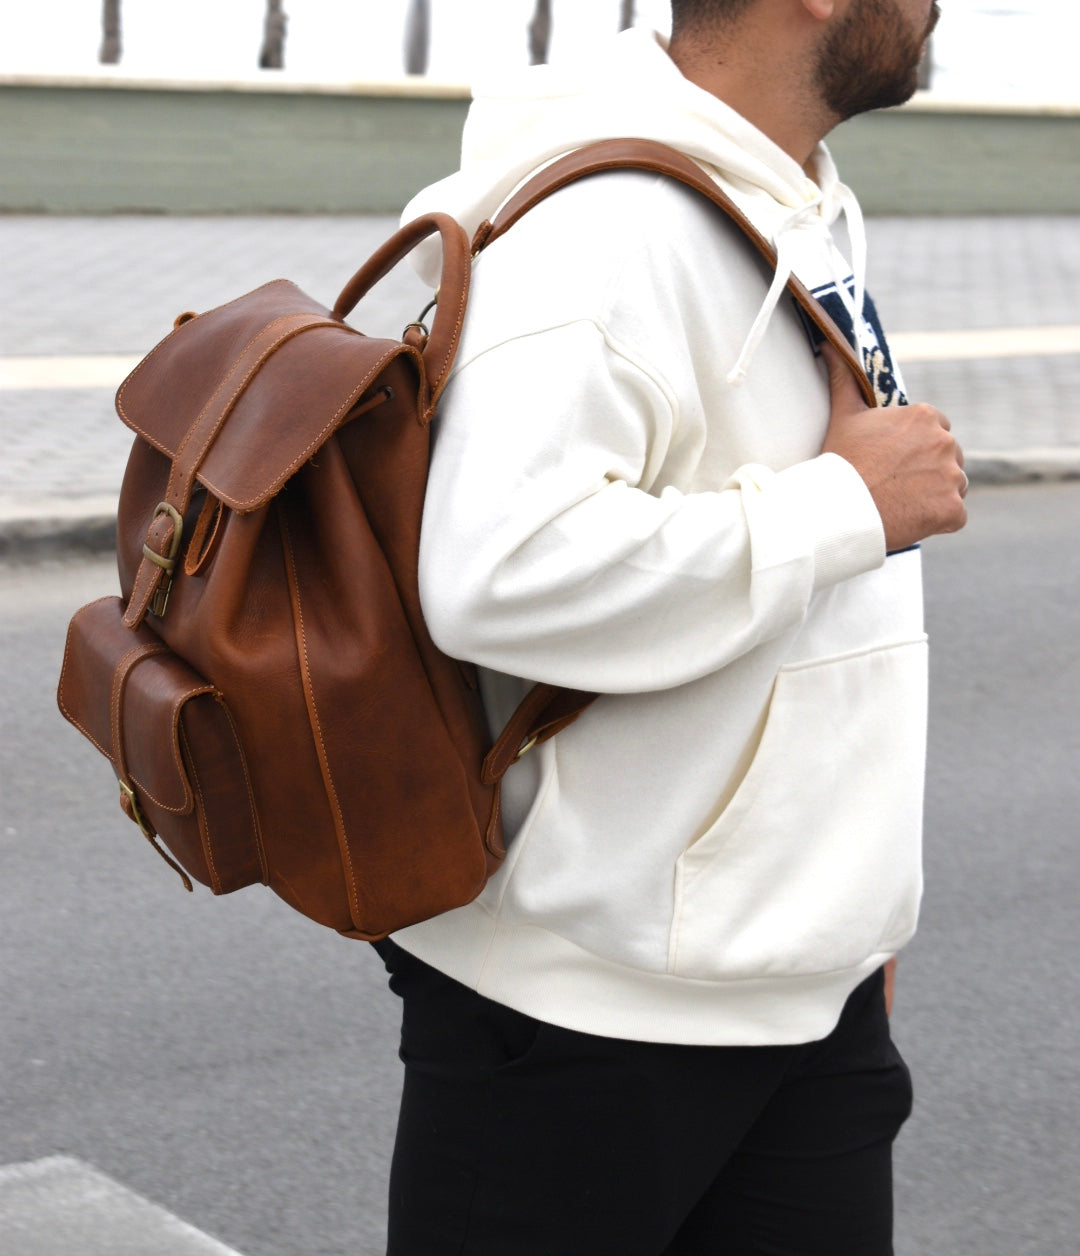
pixel 418 322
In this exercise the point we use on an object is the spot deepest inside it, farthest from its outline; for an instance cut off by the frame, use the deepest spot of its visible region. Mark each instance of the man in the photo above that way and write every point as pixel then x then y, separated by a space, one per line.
pixel 662 1027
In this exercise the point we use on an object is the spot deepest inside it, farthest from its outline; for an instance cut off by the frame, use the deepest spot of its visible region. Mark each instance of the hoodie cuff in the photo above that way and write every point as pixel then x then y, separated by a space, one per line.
pixel 823 507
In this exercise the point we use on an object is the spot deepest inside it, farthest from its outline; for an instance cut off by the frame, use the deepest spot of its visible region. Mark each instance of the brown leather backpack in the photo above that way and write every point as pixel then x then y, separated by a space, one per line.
pixel 265 688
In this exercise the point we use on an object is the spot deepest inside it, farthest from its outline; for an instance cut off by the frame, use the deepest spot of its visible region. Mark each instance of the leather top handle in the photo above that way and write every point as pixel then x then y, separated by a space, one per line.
pixel 453 291
pixel 650 155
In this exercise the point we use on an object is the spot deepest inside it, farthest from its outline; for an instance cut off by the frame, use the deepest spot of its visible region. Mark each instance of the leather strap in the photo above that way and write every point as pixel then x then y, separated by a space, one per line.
pixel 129 802
pixel 649 155
pixel 545 709
pixel 154 576
pixel 440 347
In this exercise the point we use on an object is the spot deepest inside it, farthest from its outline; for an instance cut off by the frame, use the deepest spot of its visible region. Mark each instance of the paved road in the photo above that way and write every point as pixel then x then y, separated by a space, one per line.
pixel 235 1064
pixel 984 313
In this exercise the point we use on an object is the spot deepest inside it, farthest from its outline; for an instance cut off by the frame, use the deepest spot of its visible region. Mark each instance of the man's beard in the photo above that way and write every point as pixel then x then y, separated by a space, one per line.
pixel 870 60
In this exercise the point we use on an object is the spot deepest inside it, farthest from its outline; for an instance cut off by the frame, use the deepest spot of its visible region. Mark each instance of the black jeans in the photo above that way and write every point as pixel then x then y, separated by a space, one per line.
pixel 519 1138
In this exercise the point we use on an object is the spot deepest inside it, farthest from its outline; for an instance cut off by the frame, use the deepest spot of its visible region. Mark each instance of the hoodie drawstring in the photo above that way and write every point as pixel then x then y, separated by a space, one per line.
pixel 804 216
pixel 782 243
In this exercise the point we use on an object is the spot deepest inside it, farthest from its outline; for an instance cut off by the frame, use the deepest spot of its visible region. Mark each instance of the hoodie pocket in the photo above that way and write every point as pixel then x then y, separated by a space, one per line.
pixel 815 864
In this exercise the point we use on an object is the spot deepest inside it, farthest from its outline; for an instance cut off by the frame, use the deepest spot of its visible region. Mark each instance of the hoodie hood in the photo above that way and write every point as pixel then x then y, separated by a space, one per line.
pixel 630 87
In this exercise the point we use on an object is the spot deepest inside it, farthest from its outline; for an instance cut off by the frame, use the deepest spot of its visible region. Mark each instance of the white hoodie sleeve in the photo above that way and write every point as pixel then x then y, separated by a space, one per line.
pixel 553 549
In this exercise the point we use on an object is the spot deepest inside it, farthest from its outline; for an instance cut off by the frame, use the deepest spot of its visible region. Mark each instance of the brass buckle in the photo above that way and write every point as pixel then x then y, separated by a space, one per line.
pixel 526 747
pixel 136 811
pixel 147 831
pixel 167 563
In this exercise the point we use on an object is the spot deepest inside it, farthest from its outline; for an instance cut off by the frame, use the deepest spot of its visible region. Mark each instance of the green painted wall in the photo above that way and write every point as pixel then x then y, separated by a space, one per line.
pixel 962 161
pixel 96 147
pixel 173 150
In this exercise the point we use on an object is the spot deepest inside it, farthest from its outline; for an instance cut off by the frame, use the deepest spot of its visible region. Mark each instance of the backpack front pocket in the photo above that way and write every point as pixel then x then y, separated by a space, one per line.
pixel 172 742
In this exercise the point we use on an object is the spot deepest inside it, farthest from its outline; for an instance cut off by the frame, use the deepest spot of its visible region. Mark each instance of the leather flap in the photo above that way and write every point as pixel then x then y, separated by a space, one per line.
pixel 144 710
pixel 154 697
pixel 279 407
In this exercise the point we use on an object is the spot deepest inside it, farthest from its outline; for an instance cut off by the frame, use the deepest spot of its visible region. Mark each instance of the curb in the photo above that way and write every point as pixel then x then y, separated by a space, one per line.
pixel 1023 466
pixel 52 531
pixel 53 528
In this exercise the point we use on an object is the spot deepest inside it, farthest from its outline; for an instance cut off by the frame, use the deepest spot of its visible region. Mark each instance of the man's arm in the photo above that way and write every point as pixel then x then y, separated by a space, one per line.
pixel 543 554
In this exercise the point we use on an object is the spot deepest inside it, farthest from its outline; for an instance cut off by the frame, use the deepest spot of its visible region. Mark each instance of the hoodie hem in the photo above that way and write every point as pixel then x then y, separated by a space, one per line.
pixel 549 978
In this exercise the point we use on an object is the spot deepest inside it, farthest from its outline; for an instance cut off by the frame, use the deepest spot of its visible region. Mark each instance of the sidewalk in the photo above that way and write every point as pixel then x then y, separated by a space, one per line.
pixel 983 315
pixel 61 1205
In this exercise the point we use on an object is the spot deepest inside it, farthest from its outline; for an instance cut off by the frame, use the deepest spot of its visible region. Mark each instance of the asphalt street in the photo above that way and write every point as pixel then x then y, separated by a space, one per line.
pixel 235 1065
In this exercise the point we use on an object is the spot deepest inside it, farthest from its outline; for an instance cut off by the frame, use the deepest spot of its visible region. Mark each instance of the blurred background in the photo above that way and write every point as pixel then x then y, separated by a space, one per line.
pixel 983 49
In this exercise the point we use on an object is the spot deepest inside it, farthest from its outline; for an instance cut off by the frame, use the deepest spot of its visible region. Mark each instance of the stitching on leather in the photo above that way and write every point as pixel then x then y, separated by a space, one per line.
pixel 144 588
pixel 260 360
pixel 86 733
pixel 317 726
pixel 177 758
pixel 146 650
pixel 451 349
pixel 318 321
pixel 141 591
pixel 255 827
pixel 208 843
pixel 236 361
pixel 64 671
pixel 204 832
pixel 143 648
pixel 494 820
pixel 318 440
pixel 161 346
pixel 694 176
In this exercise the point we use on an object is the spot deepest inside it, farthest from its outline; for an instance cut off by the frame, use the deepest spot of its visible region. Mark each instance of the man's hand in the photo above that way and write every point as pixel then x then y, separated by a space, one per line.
pixel 907 456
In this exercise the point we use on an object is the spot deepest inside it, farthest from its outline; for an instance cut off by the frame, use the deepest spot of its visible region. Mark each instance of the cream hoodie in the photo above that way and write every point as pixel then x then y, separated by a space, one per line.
pixel 627 496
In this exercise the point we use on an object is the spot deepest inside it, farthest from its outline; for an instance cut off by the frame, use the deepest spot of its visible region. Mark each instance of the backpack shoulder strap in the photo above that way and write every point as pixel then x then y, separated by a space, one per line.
pixel 634 154
pixel 546 710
